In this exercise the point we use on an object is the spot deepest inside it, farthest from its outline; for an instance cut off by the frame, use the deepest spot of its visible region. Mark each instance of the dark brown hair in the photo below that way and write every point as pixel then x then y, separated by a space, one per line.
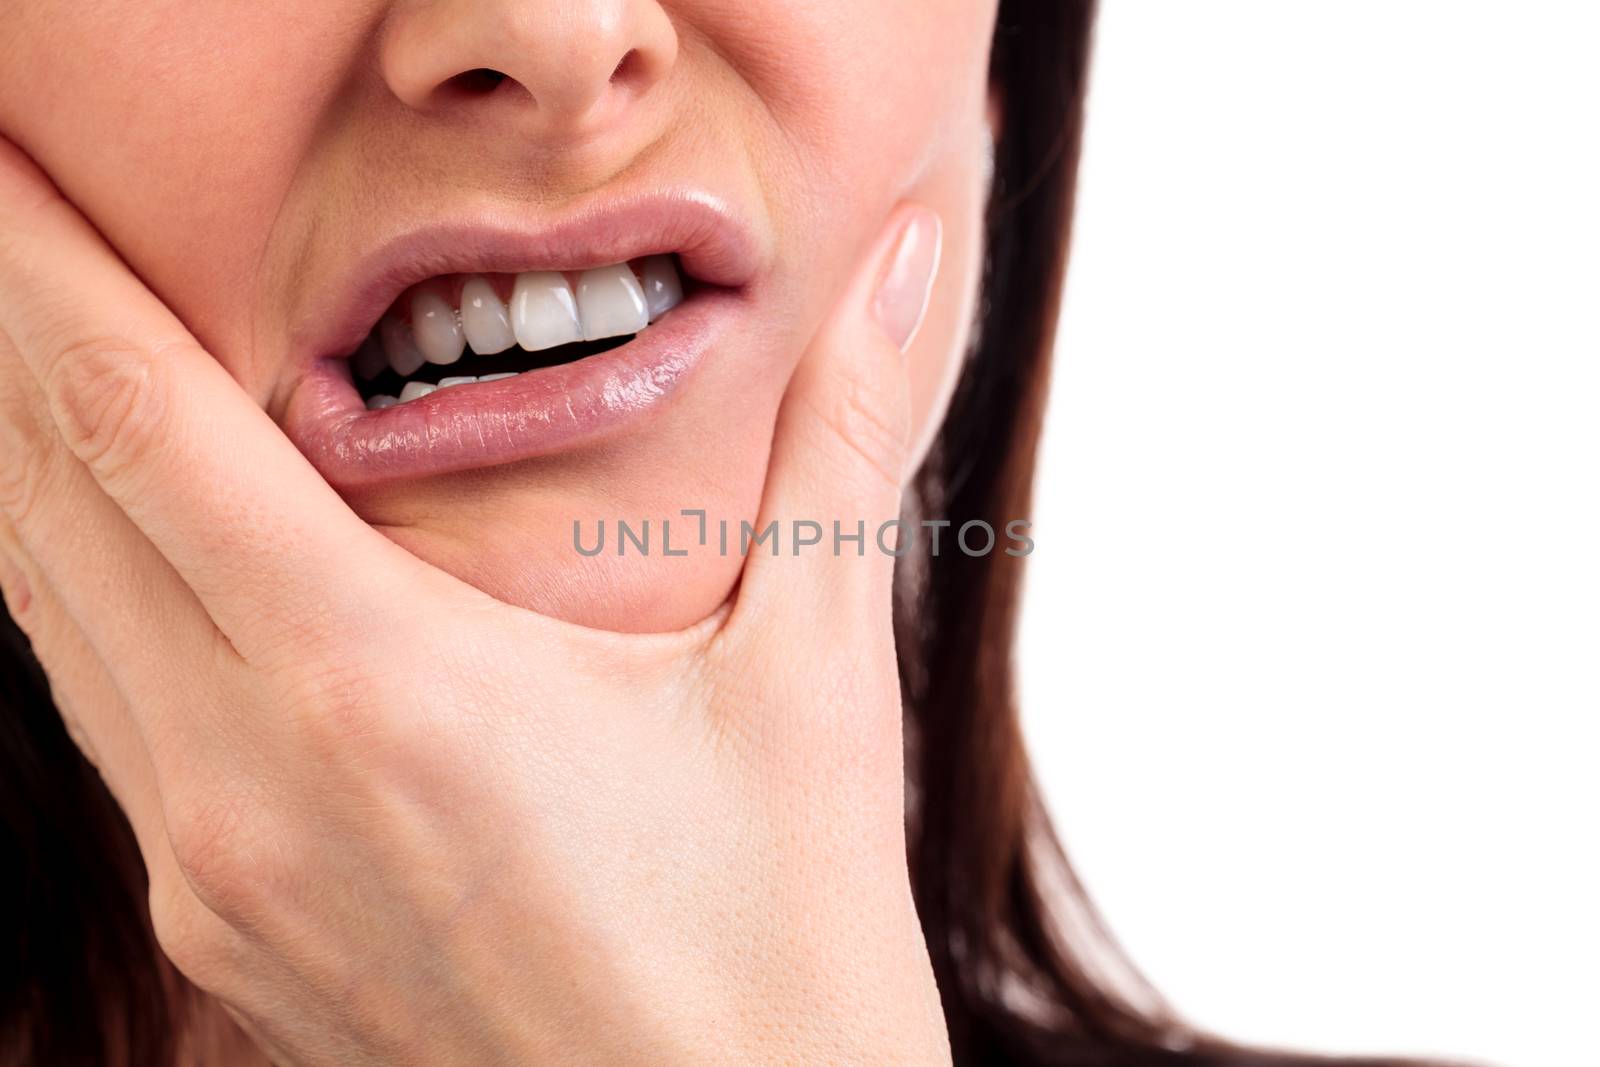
pixel 1026 972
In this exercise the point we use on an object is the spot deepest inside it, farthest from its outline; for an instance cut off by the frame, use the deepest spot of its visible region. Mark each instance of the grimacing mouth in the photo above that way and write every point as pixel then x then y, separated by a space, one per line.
pixel 599 313
pixel 466 329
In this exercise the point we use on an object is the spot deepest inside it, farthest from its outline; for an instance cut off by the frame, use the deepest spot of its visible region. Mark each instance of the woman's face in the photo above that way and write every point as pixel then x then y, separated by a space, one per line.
pixel 280 173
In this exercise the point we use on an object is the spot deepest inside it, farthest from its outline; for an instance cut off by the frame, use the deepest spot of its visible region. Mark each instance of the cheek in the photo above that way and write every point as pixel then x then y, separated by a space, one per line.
pixel 169 122
pixel 894 109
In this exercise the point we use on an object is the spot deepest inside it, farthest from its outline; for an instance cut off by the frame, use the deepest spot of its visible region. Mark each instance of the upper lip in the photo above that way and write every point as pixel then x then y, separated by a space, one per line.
pixel 714 242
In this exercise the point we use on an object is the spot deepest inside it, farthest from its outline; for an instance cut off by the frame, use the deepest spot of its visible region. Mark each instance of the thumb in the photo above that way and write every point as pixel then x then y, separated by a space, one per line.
pixel 841 448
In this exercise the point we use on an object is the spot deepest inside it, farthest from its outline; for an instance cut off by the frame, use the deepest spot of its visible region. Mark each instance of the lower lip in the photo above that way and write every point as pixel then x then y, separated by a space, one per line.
pixel 537 413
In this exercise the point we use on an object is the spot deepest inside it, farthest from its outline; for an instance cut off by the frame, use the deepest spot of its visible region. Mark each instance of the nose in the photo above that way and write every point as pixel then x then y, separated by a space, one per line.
pixel 566 63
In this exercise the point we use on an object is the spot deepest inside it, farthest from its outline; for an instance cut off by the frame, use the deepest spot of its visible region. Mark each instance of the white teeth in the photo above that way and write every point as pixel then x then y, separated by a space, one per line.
pixel 543 311
pixel 436 328
pixel 403 354
pixel 369 360
pixel 663 289
pixel 484 319
pixel 611 303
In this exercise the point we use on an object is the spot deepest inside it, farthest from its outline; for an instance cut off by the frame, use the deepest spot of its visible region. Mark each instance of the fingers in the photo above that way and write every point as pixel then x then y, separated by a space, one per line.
pixel 108 589
pixel 840 451
pixel 92 709
pixel 198 466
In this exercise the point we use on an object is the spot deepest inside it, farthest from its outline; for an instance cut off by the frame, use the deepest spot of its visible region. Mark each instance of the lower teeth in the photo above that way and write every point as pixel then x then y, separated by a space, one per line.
pixel 388 388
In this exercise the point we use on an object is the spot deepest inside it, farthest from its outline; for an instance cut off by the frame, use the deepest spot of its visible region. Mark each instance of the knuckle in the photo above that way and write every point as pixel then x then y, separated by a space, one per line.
pixel 25 476
pixel 107 397
pixel 346 715
pixel 337 717
pixel 19 602
pixel 23 483
pixel 229 858
pixel 22 478
pixel 190 936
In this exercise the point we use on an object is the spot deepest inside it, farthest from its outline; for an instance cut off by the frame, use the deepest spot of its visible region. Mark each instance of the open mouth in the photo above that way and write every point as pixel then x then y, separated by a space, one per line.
pixel 460 343
pixel 465 330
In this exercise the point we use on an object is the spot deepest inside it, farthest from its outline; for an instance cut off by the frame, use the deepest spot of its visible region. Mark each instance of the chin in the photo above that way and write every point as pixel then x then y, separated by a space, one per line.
pixel 508 528
pixel 627 595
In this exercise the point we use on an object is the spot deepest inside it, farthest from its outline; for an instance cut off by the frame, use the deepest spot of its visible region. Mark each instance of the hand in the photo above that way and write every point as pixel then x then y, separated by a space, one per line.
pixel 390 819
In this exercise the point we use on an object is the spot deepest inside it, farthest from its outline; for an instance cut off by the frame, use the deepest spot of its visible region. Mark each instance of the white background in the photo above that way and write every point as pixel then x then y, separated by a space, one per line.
pixel 1311 653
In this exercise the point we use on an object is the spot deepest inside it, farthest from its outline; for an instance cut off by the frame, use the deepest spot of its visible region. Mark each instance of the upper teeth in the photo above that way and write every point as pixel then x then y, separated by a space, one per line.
pixel 544 313
pixel 484 319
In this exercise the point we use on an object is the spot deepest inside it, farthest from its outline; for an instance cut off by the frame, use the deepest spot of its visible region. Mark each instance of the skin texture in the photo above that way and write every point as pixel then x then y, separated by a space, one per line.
pixel 232 156
pixel 235 154
pixel 568 846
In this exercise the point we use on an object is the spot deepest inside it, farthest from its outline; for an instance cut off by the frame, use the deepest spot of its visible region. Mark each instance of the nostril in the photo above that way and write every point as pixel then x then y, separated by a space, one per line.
pixel 479 82
pixel 629 68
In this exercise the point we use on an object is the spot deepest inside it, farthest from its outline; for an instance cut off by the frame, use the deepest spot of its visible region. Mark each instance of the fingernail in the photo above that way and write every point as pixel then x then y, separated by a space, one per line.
pixel 902 299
